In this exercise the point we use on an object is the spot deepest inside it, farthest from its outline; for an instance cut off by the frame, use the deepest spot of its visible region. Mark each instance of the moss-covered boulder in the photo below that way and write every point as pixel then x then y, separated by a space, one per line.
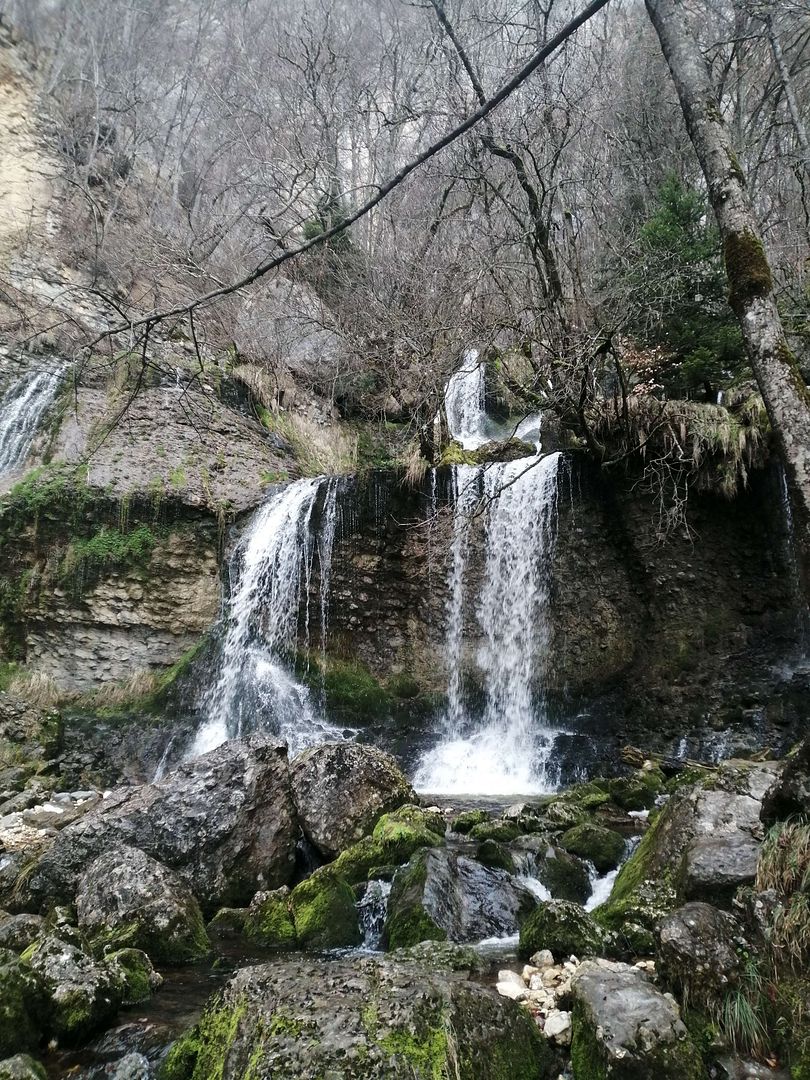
pixel 22 1067
pixel 324 912
pixel 136 976
pixel 85 994
pixel 442 893
pixel 467 819
pixel 602 847
pixel 269 920
pixel 625 1029
pixel 572 807
pixel 564 928
pixel 491 853
pixel 564 875
pixel 127 899
pixel 395 838
pixel 227 922
pixel 22 1005
pixel 342 789
pixel 639 791
pixel 377 1018
pixel 499 830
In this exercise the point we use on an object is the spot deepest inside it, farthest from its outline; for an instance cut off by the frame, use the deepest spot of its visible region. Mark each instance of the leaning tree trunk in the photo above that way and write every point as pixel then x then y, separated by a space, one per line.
pixel 752 295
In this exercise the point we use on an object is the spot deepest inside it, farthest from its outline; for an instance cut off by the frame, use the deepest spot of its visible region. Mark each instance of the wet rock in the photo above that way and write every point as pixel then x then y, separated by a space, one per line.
pixel 131 1067
pixel 126 898
pixel 23 1006
pixel 624 1028
pixel 503 832
pixel 714 867
pixel 563 928
pixel 342 789
pixel 136 977
pixel 17 932
pixel 269 920
pixel 324 912
pixel 466 820
pixel 496 856
pixel 441 895
pixel 21 1067
pixel 84 994
pixel 395 838
pixel 698 952
pixel 564 875
pixel 603 847
pixel 380 1018
pixel 224 822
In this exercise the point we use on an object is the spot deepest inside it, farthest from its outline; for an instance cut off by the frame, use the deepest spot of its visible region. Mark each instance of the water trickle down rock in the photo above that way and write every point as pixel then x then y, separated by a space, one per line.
pixel 254 685
pixel 21 411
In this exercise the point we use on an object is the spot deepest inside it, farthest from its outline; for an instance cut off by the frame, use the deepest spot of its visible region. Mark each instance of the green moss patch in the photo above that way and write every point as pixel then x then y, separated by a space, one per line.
pixel 324 912
pixel 562 927
pixel 603 847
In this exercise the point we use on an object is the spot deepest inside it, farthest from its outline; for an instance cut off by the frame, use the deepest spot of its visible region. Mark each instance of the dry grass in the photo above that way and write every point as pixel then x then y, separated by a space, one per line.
pixel 784 866
pixel 37 688
pixel 415 465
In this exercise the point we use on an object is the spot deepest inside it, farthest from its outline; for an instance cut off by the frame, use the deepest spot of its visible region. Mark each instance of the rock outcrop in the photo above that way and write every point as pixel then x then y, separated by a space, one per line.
pixel 225 823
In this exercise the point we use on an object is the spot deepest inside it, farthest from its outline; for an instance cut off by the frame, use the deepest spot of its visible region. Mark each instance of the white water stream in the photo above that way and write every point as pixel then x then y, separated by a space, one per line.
pixel 256 686
pixel 22 408
pixel 506 747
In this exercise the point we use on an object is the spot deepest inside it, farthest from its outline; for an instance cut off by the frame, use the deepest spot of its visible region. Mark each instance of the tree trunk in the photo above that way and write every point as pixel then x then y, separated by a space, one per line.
pixel 752 295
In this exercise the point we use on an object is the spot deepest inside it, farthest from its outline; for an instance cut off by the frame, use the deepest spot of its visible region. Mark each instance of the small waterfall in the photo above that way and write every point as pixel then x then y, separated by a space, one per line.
pixel 270 570
pixel 21 411
pixel 506 749
pixel 464 403
pixel 372 910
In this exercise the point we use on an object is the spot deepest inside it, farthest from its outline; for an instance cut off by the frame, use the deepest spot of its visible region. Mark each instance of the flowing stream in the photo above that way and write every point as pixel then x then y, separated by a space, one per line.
pixel 21 411
pixel 255 684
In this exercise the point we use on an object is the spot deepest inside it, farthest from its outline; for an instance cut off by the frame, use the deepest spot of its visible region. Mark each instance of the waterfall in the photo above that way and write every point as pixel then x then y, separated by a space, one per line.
pixel 464 403
pixel 371 911
pixel 21 411
pixel 255 684
pixel 504 748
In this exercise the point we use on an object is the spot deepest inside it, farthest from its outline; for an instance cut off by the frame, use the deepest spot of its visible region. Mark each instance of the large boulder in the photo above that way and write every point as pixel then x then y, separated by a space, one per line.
pixel 600 846
pixel 224 822
pixel 342 789
pixel 442 894
pixel 626 1029
pixel 563 928
pixel 21 1067
pixel 380 1018
pixel 127 899
pixel 790 794
pixel 85 994
pixel 395 838
pixel 715 866
pixel 22 1005
pixel 324 912
pixel 17 932
pixel 699 953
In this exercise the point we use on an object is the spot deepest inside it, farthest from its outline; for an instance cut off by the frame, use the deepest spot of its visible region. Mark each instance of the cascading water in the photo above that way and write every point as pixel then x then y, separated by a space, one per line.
pixel 504 748
pixel 21 411
pixel 464 403
pixel 255 685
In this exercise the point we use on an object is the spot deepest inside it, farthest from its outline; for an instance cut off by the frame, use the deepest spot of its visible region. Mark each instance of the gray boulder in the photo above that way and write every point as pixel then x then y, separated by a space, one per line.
pixel 790 793
pixel 715 866
pixel 126 898
pixel 340 791
pixel 224 822
pixel 85 995
pixel 17 932
pixel 380 1018
pixel 625 1029
pixel 443 895
pixel 21 1067
pixel 697 952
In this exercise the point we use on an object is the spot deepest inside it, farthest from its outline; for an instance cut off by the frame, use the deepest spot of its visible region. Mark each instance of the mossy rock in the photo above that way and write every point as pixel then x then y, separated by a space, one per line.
pixel 324 913
pixel 270 922
pixel 467 820
pixel 637 792
pixel 228 922
pixel 23 1005
pixel 395 839
pixel 407 923
pixel 504 832
pixel 410 824
pixel 564 875
pixel 491 853
pixel 603 847
pixel 573 806
pixel 564 928
pixel 442 956
pixel 350 691
pixel 135 975
pixel 22 1067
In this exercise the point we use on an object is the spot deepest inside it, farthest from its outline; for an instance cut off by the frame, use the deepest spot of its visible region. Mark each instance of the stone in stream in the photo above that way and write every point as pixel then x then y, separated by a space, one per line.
pixel 699 953
pixel 224 822
pixel 23 1005
pixel 603 847
pixel 85 994
pixel 342 789
pixel 626 1029
pixel 126 898
pixel 21 1067
pixel 562 928
pixel 395 838
pixel 442 894
pixel 394 1017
